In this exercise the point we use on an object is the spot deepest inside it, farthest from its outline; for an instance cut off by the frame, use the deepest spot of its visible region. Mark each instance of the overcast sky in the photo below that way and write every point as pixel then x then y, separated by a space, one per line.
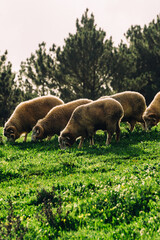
pixel 26 23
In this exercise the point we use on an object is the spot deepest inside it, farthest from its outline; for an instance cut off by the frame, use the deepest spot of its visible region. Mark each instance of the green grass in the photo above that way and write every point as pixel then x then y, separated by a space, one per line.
pixel 97 192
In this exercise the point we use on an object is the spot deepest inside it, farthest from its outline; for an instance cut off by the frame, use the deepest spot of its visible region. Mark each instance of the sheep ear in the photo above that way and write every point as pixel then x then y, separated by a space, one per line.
pixel 39 131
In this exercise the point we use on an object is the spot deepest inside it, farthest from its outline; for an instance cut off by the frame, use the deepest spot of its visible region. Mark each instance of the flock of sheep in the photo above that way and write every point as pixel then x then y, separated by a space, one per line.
pixel 49 115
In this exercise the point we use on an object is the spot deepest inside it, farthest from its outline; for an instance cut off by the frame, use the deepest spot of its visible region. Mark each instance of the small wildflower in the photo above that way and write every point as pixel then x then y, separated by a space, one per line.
pixel 88 214
pixel 142 231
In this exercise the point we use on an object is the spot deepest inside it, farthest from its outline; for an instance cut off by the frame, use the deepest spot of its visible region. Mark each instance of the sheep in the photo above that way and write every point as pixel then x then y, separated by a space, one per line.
pixel 104 114
pixel 152 113
pixel 134 105
pixel 55 120
pixel 26 114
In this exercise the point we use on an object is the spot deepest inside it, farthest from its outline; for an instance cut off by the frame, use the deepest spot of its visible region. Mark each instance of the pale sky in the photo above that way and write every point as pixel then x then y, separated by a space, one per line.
pixel 26 23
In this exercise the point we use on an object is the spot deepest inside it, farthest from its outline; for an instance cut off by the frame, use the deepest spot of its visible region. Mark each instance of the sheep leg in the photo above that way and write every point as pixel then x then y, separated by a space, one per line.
pixel 132 124
pixel 81 142
pixel 109 137
pixel 25 137
pixel 117 132
pixel 91 140
pixel 143 124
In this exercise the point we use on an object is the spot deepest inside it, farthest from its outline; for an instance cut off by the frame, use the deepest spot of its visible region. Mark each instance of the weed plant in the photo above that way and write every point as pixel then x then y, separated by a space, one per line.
pixel 97 192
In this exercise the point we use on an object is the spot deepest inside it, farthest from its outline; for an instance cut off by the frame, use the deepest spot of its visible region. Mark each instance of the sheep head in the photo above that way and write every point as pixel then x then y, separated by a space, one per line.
pixel 150 120
pixel 37 133
pixel 11 133
pixel 66 140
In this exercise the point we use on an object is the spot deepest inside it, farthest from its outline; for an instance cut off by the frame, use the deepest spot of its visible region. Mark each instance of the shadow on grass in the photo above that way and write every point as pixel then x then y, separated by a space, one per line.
pixel 40 145
pixel 126 147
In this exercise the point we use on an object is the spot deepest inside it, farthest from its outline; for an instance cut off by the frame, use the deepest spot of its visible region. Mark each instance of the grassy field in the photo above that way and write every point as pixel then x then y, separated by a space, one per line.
pixel 97 192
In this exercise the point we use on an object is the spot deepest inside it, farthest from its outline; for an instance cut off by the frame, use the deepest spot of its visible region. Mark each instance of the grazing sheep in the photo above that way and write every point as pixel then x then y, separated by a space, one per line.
pixel 134 105
pixel 26 114
pixel 104 114
pixel 56 119
pixel 152 113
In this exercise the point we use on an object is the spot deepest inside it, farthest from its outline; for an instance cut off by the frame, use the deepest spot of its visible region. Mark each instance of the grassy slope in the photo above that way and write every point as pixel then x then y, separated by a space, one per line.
pixel 111 192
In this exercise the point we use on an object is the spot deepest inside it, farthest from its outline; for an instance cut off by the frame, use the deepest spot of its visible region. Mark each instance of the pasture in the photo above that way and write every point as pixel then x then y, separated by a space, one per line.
pixel 97 192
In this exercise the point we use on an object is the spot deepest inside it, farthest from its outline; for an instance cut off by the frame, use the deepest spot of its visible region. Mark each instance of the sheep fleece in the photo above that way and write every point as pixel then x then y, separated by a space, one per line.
pixel 134 105
pixel 102 114
pixel 152 113
pixel 27 113
pixel 56 120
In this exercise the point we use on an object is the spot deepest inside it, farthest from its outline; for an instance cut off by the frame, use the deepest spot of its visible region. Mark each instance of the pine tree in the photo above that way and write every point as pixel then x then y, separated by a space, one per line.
pixel 79 68
pixel 124 69
pixel 145 43
pixel 9 92
pixel 38 71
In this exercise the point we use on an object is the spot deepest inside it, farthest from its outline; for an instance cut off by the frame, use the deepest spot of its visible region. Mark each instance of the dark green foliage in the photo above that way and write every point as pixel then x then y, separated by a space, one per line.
pixel 10 94
pixel 56 218
pixel 37 73
pixel 80 61
pixel 123 70
pixel 12 228
pixel 136 66
pixel 145 43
